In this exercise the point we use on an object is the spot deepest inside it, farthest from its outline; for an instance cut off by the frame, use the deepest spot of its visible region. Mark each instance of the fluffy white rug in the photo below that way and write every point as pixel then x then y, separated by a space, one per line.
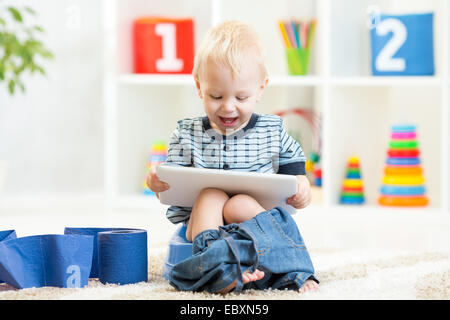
pixel 344 274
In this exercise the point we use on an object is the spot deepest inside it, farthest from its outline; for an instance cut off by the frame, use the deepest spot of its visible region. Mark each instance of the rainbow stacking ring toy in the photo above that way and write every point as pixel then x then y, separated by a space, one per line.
pixel 352 186
pixel 403 182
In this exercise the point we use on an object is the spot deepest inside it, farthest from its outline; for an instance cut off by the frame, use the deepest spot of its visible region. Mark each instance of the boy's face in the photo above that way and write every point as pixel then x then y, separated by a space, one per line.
pixel 229 101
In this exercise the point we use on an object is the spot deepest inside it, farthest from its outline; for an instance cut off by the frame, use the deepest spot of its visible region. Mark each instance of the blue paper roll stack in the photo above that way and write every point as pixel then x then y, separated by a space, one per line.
pixel 114 255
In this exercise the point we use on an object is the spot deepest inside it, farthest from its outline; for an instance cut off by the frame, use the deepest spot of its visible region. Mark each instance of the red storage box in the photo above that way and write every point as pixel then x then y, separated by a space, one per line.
pixel 163 45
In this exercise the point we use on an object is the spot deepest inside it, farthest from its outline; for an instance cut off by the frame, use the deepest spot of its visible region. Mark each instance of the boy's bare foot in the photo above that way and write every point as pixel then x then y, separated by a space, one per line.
pixel 309 285
pixel 246 278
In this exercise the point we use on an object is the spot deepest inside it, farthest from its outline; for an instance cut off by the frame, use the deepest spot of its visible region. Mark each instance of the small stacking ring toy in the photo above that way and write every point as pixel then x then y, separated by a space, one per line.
pixel 402 180
pixel 402 191
pixel 403 161
pixel 403 201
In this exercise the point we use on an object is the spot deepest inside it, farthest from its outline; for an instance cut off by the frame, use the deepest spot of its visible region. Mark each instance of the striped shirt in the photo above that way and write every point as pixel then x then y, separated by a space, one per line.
pixel 262 146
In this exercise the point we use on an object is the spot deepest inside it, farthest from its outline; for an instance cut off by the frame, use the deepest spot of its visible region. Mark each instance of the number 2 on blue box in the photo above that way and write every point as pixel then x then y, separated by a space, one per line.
pixel 403 45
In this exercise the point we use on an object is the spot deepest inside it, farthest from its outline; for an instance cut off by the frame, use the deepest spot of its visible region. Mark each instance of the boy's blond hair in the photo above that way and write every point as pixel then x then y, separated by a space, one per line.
pixel 227 44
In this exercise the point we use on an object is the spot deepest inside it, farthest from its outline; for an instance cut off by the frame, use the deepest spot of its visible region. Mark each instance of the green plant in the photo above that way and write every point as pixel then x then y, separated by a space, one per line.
pixel 20 48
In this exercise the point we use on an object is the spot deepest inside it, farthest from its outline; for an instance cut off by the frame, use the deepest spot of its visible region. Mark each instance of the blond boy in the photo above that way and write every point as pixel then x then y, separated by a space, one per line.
pixel 230 77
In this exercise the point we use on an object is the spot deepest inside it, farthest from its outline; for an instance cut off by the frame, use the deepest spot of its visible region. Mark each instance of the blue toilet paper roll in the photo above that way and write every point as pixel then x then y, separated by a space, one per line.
pixel 131 243
pixel 91 232
pixel 46 260
pixel 118 255
pixel 122 256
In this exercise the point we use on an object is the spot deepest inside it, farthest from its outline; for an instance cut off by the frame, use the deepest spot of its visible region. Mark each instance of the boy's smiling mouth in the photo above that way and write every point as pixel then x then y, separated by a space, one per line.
pixel 228 121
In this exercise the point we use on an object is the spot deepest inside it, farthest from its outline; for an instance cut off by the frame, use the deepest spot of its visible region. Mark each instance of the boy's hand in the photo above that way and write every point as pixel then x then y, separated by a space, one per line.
pixel 303 197
pixel 154 183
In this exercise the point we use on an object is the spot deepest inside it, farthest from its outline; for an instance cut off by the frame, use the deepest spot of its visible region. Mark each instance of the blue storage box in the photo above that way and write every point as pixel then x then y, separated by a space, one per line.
pixel 403 45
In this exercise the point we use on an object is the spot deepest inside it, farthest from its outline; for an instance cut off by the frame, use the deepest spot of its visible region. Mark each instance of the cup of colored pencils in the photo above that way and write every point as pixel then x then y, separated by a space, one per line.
pixel 297 39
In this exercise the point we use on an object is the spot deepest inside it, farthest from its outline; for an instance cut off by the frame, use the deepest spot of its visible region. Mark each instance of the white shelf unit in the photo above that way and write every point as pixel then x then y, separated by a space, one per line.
pixel 357 109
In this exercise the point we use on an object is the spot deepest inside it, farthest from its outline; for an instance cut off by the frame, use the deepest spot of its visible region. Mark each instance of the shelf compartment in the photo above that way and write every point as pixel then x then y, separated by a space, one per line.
pixel 360 122
pixel 264 18
pixel 349 47
pixel 147 114
pixel 128 11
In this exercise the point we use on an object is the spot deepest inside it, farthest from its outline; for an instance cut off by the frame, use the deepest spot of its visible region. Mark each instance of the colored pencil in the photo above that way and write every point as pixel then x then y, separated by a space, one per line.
pixel 297 39
pixel 290 33
pixel 303 34
pixel 283 34
pixel 311 32
pixel 306 35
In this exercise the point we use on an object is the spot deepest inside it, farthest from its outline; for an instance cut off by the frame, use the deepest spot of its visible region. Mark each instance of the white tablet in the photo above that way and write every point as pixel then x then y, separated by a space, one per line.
pixel 270 190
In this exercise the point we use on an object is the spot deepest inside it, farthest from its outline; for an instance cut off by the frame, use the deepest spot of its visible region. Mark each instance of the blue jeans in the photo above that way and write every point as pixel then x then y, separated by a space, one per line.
pixel 270 242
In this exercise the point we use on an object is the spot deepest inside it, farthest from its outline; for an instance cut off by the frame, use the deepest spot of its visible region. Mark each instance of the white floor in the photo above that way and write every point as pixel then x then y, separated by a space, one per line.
pixel 343 227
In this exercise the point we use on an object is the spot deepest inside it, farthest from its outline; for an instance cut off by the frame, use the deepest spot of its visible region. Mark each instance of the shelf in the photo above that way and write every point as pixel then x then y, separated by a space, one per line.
pixel 366 210
pixel 156 79
pixel 280 80
pixel 355 105
pixel 386 81
pixel 295 80
pixel 187 79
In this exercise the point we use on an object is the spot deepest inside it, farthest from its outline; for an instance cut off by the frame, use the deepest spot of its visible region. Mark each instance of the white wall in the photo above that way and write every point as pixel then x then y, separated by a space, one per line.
pixel 52 136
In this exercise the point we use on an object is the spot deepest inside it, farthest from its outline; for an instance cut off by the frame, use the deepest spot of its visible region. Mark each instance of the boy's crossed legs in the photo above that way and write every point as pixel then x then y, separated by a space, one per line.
pixel 214 208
